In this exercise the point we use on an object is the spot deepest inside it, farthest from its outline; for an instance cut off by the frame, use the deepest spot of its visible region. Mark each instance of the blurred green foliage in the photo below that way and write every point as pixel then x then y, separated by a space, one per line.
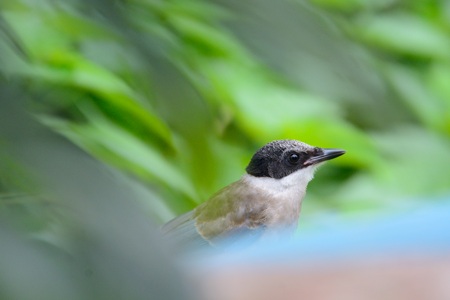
pixel 179 94
pixel 175 96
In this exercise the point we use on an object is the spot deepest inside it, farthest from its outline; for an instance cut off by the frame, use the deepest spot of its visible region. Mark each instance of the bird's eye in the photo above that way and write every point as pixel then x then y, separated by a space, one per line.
pixel 294 158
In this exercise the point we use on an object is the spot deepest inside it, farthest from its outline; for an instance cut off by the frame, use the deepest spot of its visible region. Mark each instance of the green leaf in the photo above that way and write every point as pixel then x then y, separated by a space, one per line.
pixel 116 146
pixel 438 79
pixel 405 34
pixel 418 161
pixel 417 97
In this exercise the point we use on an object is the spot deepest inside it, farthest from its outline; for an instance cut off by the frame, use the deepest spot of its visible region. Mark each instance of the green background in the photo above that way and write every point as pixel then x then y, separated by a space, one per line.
pixel 175 96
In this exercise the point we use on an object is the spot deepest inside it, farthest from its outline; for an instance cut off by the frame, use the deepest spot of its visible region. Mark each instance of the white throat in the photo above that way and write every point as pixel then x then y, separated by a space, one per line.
pixel 283 196
pixel 294 184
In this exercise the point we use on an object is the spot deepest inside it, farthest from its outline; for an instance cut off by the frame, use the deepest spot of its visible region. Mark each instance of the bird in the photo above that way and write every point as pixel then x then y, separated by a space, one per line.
pixel 263 204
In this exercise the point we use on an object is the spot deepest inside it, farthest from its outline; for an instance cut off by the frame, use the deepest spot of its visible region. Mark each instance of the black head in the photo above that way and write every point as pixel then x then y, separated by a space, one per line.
pixel 278 159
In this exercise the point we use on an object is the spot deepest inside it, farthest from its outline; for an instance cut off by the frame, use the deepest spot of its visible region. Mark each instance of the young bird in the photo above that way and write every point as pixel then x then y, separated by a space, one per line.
pixel 264 203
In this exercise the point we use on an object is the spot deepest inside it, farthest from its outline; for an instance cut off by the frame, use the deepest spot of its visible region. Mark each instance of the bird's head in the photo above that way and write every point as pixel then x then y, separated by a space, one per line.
pixel 281 158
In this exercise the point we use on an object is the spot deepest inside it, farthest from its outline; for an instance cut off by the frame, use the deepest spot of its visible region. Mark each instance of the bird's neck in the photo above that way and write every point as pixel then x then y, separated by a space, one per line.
pixel 293 185
pixel 281 197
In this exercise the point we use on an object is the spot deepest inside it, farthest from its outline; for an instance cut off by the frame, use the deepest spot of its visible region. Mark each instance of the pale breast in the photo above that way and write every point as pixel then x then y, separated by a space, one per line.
pixel 282 197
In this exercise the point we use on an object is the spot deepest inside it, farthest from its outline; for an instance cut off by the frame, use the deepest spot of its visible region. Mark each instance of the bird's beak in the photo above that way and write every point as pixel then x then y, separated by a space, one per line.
pixel 324 155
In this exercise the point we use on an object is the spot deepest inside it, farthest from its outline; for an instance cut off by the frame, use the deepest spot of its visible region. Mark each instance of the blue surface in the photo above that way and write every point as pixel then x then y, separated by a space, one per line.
pixel 423 230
